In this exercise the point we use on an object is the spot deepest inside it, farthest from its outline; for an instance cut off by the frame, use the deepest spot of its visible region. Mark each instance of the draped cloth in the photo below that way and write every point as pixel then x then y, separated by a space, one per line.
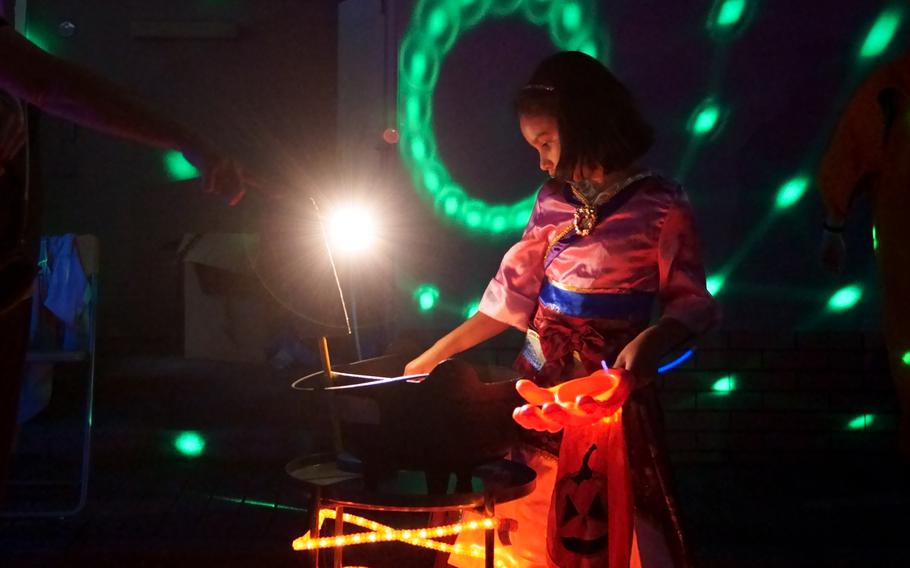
pixel 870 151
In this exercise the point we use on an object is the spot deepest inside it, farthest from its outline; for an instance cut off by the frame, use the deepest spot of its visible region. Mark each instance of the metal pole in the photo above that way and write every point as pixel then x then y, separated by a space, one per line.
pixel 489 553
pixel 330 379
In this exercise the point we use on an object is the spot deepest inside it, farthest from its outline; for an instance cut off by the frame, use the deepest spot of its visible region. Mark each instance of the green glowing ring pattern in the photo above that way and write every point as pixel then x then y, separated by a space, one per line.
pixel 434 28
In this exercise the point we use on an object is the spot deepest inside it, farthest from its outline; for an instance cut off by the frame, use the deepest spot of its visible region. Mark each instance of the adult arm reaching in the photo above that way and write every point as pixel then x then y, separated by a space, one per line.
pixel 74 93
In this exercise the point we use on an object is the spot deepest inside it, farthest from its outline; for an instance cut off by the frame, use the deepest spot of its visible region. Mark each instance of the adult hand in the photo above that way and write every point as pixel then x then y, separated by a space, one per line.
pixel 833 252
pixel 12 131
pixel 219 174
pixel 576 403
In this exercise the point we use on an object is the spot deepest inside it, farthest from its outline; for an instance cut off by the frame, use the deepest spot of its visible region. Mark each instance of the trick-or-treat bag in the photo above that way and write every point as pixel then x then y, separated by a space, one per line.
pixel 590 518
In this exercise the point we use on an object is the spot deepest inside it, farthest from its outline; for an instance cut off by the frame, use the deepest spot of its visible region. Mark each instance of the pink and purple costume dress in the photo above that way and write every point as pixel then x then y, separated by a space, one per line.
pixel 581 299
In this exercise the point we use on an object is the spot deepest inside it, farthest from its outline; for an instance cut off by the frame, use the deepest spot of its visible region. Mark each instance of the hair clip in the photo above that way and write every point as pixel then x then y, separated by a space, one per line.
pixel 538 87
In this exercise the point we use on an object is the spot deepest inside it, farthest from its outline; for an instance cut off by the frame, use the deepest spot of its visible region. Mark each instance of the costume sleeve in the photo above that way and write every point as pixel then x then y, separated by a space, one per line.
pixel 683 294
pixel 855 149
pixel 511 296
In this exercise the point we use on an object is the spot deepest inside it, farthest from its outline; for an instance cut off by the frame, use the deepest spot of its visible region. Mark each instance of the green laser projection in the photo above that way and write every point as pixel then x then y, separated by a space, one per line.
pixel 881 33
pixel 905 358
pixel 861 422
pixel 189 444
pixel 434 28
pixel 256 503
pixel 38 40
pixel 724 385
pixel 714 283
pixel 471 308
pixel 791 191
pixel 727 17
pixel 874 239
pixel 705 118
pixel 845 298
pixel 177 167
pixel 730 12
pixel 426 296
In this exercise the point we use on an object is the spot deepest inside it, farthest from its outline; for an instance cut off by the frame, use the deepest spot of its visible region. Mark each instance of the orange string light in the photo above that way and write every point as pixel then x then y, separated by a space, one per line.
pixel 383 533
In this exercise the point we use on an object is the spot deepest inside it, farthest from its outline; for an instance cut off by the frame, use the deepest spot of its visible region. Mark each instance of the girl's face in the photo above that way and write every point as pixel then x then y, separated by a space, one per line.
pixel 542 133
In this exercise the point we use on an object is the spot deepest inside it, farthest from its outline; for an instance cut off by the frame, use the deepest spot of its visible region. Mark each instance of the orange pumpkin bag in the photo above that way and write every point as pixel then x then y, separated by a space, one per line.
pixel 590 520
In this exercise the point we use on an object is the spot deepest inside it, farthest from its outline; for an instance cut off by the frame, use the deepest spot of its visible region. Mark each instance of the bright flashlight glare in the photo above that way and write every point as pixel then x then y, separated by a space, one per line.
pixel 351 229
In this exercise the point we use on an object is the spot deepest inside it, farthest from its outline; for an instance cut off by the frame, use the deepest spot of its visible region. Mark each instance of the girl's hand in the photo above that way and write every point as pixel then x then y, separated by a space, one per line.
pixel 576 403
pixel 423 364
pixel 641 357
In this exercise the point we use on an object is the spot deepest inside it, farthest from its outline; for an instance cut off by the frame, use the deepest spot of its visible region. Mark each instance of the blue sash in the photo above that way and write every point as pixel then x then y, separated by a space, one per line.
pixel 596 305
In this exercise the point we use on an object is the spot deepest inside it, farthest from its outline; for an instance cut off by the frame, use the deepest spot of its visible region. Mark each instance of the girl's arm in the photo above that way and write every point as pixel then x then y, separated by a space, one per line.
pixel 476 329
pixel 688 308
pixel 508 301
pixel 642 355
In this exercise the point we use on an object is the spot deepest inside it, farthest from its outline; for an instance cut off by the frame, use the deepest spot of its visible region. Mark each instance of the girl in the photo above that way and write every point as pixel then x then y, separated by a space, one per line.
pixel 606 240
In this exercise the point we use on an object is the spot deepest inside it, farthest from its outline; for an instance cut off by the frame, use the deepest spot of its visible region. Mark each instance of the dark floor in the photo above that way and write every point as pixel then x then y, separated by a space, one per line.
pixel 235 506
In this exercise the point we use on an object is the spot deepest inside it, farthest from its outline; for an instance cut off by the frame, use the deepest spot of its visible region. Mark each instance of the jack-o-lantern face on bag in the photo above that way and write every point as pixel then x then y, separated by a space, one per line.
pixel 578 525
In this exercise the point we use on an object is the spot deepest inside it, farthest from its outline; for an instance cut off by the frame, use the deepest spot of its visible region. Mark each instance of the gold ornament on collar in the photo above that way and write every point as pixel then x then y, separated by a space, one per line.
pixel 584 219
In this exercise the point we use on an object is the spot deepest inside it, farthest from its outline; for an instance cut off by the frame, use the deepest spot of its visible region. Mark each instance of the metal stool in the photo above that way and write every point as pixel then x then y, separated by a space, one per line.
pixel 330 486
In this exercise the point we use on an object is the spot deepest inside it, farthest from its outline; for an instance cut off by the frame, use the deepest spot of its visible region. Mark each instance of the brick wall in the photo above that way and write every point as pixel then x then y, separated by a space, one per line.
pixel 791 397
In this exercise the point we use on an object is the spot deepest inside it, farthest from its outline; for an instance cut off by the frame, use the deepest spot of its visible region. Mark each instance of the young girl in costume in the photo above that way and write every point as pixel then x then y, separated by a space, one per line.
pixel 606 241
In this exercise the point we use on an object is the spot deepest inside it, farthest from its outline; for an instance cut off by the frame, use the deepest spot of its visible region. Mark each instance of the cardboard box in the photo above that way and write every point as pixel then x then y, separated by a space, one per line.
pixel 228 313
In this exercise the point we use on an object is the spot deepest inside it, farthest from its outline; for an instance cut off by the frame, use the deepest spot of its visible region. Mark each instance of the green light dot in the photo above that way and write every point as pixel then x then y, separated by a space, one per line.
pixel 450 200
pixel 791 192
pixel 426 296
pixel 177 167
pixel 452 204
pixel 498 220
pixel 413 112
pixel 730 12
pixel 905 358
pixel 724 385
pixel 471 308
pixel 418 149
pixel 845 298
pixel 714 283
pixel 473 213
pixel 431 181
pixel 861 422
pixel 189 444
pixel 571 16
pixel 881 33
pixel 589 48
pixel 874 239
pixel 418 65
pixel 438 22
pixel 705 120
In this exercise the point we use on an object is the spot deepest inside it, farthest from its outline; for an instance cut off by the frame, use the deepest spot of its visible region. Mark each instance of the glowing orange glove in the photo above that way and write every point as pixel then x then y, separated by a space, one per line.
pixel 579 402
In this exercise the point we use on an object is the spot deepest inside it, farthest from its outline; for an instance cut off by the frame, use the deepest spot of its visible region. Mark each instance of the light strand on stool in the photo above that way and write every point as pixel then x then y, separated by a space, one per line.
pixel 382 533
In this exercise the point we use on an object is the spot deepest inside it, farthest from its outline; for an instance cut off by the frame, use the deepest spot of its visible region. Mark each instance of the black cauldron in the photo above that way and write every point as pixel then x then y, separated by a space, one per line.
pixel 457 418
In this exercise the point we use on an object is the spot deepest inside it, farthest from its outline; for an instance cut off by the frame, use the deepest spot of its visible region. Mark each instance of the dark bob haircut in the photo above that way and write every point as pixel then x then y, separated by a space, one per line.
pixel 597 117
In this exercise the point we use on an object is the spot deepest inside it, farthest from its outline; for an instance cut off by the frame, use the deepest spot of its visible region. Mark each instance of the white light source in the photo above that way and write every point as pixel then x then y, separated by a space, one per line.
pixel 351 229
